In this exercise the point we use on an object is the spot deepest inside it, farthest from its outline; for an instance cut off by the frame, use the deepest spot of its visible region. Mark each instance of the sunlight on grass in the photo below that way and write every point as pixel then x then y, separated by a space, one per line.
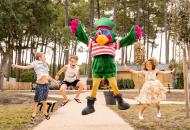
pixel 173 118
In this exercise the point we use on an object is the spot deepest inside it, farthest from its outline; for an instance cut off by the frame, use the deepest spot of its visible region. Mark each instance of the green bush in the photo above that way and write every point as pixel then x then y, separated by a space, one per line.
pixel 179 82
pixel 27 76
pixel 125 84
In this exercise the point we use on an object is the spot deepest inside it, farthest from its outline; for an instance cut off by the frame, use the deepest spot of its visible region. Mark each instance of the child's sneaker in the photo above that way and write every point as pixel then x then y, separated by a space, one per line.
pixel 141 117
pixel 158 114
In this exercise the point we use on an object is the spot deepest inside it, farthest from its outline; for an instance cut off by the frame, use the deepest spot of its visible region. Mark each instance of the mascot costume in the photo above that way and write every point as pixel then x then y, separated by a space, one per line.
pixel 103 43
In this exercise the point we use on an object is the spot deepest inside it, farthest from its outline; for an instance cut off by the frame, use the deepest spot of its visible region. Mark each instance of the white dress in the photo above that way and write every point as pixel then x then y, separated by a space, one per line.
pixel 152 91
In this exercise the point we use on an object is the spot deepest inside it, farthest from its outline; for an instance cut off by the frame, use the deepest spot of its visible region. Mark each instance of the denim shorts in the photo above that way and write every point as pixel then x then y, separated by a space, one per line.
pixel 41 92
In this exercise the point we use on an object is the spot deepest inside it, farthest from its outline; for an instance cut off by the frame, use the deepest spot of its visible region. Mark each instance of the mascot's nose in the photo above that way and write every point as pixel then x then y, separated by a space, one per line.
pixel 102 40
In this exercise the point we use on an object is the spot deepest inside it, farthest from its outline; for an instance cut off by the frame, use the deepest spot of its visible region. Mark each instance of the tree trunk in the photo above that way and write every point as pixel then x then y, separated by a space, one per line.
pixel 66 13
pixel 115 10
pixel 3 65
pixel 173 48
pixel 19 63
pixel 144 24
pixel 166 30
pixel 122 55
pixel 66 56
pixel 98 8
pixel 46 43
pixel 51 65
pixel 126 55
pixel 138 13
pixel 160 49
pixel 152 48
pixel 9 65
pixel 148 32
pixel 91 8
pixel 54 58
pixel 130 54
pixel 60 58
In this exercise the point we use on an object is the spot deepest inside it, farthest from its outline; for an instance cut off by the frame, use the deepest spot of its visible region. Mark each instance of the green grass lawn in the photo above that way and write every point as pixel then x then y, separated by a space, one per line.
pixel 16 109
pixel 173 118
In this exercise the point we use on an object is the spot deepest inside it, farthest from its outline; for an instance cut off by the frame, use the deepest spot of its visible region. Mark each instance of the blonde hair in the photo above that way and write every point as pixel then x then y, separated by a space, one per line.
pixel 38 55
pixel 73 57
pixel 153 62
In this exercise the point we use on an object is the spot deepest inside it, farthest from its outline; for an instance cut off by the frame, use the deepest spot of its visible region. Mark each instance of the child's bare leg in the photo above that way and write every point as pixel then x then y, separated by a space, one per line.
pixel 45 107
pixel 143 107
pixel 80 89
pixel 45 110
pixel 158 109
pixel 34 109
pixel 62 90
pixel 158 106
pixel 141 110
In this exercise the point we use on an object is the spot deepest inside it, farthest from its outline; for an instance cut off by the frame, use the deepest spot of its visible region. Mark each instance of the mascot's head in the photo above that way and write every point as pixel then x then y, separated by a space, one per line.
pixel 103 34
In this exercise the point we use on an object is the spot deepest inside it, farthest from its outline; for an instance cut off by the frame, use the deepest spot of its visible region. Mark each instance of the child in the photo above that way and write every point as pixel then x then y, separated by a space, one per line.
pixel 72 78
pixel 152 91
pixel 41 92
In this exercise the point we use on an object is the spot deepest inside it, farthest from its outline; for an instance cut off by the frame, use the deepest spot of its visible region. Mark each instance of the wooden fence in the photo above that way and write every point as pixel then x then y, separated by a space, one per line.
pixel 17 86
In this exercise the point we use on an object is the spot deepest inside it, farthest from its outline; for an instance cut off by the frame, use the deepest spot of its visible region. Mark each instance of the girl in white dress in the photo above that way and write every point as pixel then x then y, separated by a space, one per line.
pixel 152 91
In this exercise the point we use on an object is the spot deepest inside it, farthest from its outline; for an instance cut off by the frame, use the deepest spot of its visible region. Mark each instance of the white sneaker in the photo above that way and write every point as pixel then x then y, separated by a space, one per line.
pixel 158 114
pixel 141 117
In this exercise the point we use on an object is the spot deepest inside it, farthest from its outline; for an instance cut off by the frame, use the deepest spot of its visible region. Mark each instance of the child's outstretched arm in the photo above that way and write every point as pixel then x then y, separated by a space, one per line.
pixel 22 67
pixel 133 71
pixel 62 70
pixel 166 72
pixel 53 80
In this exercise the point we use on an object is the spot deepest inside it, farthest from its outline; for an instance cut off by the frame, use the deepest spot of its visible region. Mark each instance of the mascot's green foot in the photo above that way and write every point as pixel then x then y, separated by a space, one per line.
pixel 90 106
pixel 122 105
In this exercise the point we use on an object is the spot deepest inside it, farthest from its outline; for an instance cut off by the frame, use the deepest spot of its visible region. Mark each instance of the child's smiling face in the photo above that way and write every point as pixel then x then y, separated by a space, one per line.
pixel 73 62
pixel 148 65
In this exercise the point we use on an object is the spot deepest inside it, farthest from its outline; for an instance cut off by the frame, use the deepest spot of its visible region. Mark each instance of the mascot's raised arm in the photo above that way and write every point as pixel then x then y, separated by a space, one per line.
pixel 103 43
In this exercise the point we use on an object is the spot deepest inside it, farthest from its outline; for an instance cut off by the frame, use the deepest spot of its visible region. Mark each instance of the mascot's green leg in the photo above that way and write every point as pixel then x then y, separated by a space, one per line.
pixel 91 99
pixel 122 105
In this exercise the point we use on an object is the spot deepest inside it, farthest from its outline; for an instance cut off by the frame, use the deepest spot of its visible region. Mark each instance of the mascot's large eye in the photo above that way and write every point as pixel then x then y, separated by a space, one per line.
pixel 99 32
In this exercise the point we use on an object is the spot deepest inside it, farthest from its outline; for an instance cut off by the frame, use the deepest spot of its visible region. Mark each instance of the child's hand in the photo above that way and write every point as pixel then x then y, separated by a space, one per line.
pixel 127 68
pixel 173 70
pixel 56 77
pixel 13 65
pixel 55 81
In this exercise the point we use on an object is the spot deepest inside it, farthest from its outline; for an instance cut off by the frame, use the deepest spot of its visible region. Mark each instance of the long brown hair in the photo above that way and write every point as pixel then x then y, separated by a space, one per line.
pixel 153 63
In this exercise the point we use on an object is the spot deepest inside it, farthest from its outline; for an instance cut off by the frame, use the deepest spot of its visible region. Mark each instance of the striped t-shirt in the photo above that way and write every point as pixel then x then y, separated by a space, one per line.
pixel 105 49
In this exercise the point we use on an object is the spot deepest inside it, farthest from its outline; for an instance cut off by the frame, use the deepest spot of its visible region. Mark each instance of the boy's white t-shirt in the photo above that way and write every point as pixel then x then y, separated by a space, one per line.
pixel 41 68
pixel 71 73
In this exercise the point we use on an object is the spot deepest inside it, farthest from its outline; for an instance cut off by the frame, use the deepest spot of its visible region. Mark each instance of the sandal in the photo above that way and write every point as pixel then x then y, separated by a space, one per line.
pixel 77 100
pixel 64 102
pixel 47 116
pixel 33 118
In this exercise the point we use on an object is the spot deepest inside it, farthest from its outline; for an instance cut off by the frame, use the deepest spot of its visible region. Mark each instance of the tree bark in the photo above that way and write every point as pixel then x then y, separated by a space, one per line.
pixel 166 30
pixel 98 8
pixel 66 13
pixel 54 57
pixel 160 49
pixel 91 8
